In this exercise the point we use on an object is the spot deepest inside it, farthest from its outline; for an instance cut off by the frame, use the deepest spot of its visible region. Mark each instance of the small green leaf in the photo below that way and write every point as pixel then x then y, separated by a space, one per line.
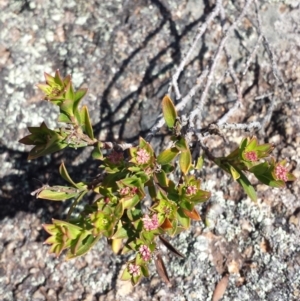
pixel 185 161
pixel 126 275
pixel 119 210
pixel 167 156
pixel 200 196
pixel 161 178
pixel 60 193
pixel 234 173
pixel 79 94
pixel 260 169
pixel 130 202
pixel 116 245
pixel 199 163
pixel 85 119
pixel 64 118
pixel 187 205
pixel 169 111
pixel 121 233
pixel 43 150
pixel 268 179
pixel 183 219
pixel 84 244
pixel 97 154
pixel 66 108
pixel 181 144
pixel 69 94
pixel 144 270
pixel 65 175
pixel 248 188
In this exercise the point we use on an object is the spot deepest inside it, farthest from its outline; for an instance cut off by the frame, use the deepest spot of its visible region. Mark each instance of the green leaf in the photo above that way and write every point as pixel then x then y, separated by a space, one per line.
pixel 234 173
pixel 64 117
pixel 60 193
pixel 120 233
pixel 83 245
pixel 79 94
pixel 183 219
pixel 43 150
pixel 161 178
pixel 116 245
pixel 185 161
pixel 119 210
pixel 181 144
pixel 130 202
pixel 85 119
pixel 73 206
pixel 144 270
pixel 143 143
pixel 66 108
pixel 46 141
pixel 65 175
pixel 200 196
pixel 169 111
pixel 260 169
pixel 166 156
pixel 187 205
pixel 69 94
pixel 97 153
pixel 248 188
pixel 269 180
pixel 148 236
pixel 126 275
pixel 199 163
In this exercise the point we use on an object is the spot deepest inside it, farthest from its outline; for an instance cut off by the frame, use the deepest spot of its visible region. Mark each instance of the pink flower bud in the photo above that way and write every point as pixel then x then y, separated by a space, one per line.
pixel 134 270
pixel 190 190
pixel 150 223
pixel 142 156
pixel 251 156
pixel 281 173
pixel 145 252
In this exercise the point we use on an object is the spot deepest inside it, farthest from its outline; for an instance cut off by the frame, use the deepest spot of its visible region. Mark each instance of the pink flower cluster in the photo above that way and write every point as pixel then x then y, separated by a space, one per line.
pixel 190 190
pixel 142 156
pixel 124 190
pixel 145 252
pixel 281 173
pixel 127 190
pixel 150 223
pixel 134 270
pixel 251 156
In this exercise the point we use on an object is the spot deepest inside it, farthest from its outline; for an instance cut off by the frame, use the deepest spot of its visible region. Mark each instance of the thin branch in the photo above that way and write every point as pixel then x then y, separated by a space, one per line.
pixel 268 115
pixel 215 61
pixel 252 54
pixel 270 52
pixel 201 31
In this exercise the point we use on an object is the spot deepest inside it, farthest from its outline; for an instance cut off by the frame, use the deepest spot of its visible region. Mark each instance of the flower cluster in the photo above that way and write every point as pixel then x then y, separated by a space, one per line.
pixel 145 252
pixel 134 270
pixel 191 190
pixel 281 173
pixel 143 156
pixel 251 156
pixel 150 223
